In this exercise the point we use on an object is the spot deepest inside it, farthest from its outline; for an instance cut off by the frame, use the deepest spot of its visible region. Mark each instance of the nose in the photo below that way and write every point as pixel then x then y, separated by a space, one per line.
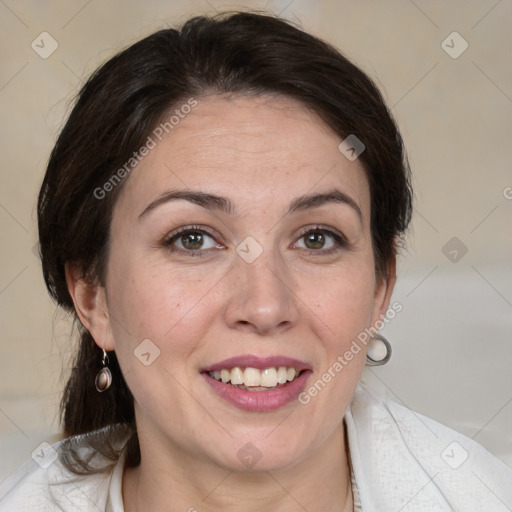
pixel 262 299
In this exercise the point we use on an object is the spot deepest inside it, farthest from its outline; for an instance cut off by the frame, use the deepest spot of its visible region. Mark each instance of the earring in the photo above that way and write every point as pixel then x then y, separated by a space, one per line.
pixel 379 351
pixel 103 377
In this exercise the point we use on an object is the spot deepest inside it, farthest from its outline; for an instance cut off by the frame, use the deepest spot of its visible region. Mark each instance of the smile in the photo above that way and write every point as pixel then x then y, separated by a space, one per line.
pixel 258 384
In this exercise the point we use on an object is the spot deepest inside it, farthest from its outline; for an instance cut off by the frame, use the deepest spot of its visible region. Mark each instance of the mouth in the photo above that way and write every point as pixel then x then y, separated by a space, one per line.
pixel 258 384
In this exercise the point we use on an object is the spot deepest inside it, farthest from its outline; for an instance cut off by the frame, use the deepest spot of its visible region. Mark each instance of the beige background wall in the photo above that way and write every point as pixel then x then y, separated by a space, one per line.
pixel 452 341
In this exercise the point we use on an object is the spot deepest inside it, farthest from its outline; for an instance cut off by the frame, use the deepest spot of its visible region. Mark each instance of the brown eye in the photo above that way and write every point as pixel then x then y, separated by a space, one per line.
pixel 314 240
pixel 192 241
pixel 321 241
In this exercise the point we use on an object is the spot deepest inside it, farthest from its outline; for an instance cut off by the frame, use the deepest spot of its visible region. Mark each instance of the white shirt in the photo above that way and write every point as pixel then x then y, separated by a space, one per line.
pixel 401 460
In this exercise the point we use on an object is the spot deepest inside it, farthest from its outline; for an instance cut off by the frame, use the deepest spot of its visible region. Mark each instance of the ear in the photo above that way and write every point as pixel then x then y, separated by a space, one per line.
pixel 384 290
pixel 91 307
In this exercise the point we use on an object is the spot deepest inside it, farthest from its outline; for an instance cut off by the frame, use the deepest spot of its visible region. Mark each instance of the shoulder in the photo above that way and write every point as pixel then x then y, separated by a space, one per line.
pixel 415 462
pixel 45 483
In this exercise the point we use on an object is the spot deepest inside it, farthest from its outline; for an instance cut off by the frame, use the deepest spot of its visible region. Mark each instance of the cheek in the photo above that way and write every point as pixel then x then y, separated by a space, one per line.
pixel 151 297
pixel 344 301
pixel 157 320
pixel 342 313
pixel 171 307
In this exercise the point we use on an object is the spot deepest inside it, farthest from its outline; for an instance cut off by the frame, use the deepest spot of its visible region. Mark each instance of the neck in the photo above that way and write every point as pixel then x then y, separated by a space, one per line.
pixel 177 481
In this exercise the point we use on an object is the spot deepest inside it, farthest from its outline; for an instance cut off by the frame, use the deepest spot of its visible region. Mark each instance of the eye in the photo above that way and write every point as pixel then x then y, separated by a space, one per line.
pixel 190 239
pixel 321 240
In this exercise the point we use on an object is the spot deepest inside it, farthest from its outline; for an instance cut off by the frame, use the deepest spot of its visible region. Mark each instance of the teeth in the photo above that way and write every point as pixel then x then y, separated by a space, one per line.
pixel 268 378
pixel 254 378
pixel 290 373
pixel 237 376
pixel 282 375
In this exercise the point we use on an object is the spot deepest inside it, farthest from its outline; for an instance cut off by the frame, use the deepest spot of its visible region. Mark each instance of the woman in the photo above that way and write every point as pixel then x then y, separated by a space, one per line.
pixel 222 213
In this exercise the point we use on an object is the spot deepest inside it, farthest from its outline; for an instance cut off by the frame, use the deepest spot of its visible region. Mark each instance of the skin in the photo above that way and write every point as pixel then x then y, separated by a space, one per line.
pixel 293 300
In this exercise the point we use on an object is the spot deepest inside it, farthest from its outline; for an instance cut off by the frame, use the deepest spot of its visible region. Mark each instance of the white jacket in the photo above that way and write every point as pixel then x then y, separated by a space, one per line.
pixel 402 461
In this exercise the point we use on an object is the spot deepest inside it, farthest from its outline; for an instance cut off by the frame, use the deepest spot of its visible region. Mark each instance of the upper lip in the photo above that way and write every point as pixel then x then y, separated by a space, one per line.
pixel 252 361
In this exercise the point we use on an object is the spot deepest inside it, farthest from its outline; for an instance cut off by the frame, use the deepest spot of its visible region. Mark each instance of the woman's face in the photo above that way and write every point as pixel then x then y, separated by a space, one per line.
pixel 263 259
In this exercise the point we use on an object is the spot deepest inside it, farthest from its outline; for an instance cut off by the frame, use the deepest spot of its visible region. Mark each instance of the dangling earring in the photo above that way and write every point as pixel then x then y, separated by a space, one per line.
pixel 379 351
pixel 103 377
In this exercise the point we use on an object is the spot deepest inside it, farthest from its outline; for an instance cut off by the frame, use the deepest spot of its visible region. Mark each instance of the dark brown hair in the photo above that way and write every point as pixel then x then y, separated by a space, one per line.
pixel 125 99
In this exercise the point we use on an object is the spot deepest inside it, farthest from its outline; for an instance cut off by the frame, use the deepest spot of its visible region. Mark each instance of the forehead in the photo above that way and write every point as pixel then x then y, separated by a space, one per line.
pixel 258 151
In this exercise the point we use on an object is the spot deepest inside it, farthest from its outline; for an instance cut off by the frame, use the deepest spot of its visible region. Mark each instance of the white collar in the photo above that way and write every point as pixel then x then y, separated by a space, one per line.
pixel 406 462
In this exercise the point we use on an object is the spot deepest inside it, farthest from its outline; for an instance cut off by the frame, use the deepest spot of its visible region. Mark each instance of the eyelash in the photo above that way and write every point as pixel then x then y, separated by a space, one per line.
pixel 169 240
pixel 339 239
pixel 340 242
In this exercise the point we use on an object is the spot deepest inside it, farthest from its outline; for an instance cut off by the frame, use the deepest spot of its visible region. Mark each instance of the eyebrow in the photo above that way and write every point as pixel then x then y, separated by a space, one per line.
pixel 209 201
pixel 316 200
pixel 217 203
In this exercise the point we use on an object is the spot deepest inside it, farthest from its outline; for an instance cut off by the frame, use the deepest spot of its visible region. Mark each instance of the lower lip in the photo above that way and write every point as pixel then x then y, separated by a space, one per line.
pixel 259 400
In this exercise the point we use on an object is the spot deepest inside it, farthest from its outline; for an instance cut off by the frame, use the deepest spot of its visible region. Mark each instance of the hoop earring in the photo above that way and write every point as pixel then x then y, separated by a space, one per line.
pixel 103 378
pixel 379 351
